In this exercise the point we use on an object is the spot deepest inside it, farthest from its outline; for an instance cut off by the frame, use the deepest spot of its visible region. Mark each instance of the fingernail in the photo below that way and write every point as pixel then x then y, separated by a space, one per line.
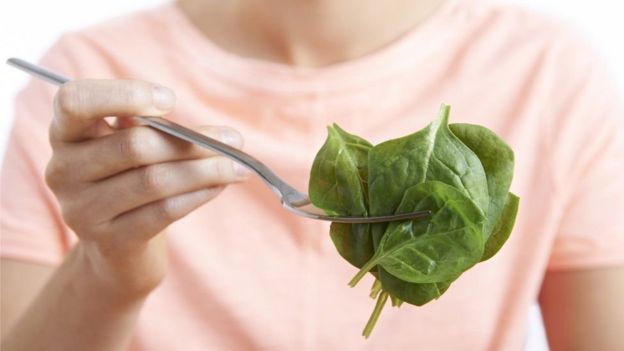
pixel 163 98
pixel 240 170
pixel 230 137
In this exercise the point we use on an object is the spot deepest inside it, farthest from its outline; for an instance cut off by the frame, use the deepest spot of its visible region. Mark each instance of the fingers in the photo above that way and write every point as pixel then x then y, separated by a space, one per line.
pixel 121 182
pixel 135 147
pixel 80 105
pixel 142 223
pixel 144 185
pixel 120 186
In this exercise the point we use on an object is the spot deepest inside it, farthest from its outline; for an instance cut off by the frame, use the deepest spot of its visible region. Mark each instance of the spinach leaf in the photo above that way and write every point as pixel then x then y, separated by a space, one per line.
pixel 400 163
pixel 434 249
pixel 353 242
pixel 433 153
pixel 339 185
pixel 413 293
pixel 460 172
pixel 497 159
pixel 338 181
pixel 498 162
pixel 503 227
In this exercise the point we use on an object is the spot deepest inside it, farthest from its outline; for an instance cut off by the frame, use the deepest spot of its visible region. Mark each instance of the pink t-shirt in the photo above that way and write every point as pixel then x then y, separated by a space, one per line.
pixel 245 274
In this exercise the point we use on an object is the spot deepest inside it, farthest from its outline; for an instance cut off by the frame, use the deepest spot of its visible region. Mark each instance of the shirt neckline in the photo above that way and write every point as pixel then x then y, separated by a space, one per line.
pixel 277 78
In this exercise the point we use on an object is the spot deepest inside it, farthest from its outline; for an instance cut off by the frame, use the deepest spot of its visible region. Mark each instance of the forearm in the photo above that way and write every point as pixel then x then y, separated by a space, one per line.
pixel 76 310
pixel 582 309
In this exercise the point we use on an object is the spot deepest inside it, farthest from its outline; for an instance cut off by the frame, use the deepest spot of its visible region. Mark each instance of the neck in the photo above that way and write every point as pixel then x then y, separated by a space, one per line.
pixel 307 33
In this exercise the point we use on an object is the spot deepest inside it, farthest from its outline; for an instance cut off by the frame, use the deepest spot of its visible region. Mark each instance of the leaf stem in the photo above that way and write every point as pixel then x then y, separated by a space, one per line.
pixel 375 289
pixel 381 301
pixel 362 272
pixel 396 302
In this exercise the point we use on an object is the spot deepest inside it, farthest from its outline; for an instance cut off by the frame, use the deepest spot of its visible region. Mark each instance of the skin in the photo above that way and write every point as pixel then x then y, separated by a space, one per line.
pixel 120 202
pixel 118 188
pixel 583 309
pixel 310 33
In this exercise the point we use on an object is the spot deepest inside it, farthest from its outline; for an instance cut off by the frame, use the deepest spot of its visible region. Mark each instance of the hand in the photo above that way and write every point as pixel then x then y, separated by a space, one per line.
pixel 120 187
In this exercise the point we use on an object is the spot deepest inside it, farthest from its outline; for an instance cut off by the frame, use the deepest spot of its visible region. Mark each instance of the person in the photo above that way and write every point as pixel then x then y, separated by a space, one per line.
pixel 116 236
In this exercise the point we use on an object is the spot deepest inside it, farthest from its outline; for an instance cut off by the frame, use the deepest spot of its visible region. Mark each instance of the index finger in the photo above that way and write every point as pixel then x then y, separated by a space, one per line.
pixel 81 105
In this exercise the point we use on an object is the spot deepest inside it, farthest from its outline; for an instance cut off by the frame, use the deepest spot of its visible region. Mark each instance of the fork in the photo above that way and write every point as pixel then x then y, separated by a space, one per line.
pixel 293 200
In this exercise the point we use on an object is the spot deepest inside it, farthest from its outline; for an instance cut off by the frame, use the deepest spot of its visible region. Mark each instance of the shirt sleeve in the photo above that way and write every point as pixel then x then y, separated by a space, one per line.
pixel 587 162
pixel 31 225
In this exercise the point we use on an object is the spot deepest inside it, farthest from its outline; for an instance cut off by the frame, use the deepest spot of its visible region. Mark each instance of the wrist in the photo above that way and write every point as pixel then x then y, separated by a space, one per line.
pixel 123 278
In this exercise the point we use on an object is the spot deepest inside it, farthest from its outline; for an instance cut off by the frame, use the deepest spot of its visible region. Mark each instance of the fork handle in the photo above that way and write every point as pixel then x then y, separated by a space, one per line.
pixel 280 187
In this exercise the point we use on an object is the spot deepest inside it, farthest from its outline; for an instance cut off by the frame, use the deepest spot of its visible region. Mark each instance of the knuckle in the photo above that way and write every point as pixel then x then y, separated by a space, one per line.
pixel 168 209
pixel 68 99
pixel 54 173
pixel 223 169
pixel 231 137
pixel 80 212
pixel 152 179
pixel 132 145
pixel 81 217
pixel 74 219
pixel 176 207
pixel 138 93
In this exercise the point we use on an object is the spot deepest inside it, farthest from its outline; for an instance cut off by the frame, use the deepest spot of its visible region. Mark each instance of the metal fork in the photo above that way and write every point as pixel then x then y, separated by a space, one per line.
pixel 291 199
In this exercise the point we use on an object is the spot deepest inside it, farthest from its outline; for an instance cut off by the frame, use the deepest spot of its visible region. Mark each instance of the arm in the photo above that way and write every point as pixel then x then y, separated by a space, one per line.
pixel 118 188
pixel 584 309
pixel 19 284
pixel 73 311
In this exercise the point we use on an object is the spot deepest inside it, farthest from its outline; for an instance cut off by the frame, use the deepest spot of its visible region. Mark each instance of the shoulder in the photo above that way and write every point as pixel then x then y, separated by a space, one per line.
pixel 104 50
pixel 556 66
pixel 509 17
pixel 503 37
pixel 522 28
pixel 132 30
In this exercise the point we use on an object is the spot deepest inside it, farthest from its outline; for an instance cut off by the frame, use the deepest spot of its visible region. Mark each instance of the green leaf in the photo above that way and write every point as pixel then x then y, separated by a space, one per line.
pixel 503 227
pixel 433 153
pixel 412 293
pixel 338 180
pixel 460 172
pixel 434 249
pixel 353 242
pixel 339 185
pixel 497 159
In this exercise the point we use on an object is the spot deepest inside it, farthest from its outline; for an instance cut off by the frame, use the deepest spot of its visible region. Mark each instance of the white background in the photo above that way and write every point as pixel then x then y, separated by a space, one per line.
pixel 28 27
